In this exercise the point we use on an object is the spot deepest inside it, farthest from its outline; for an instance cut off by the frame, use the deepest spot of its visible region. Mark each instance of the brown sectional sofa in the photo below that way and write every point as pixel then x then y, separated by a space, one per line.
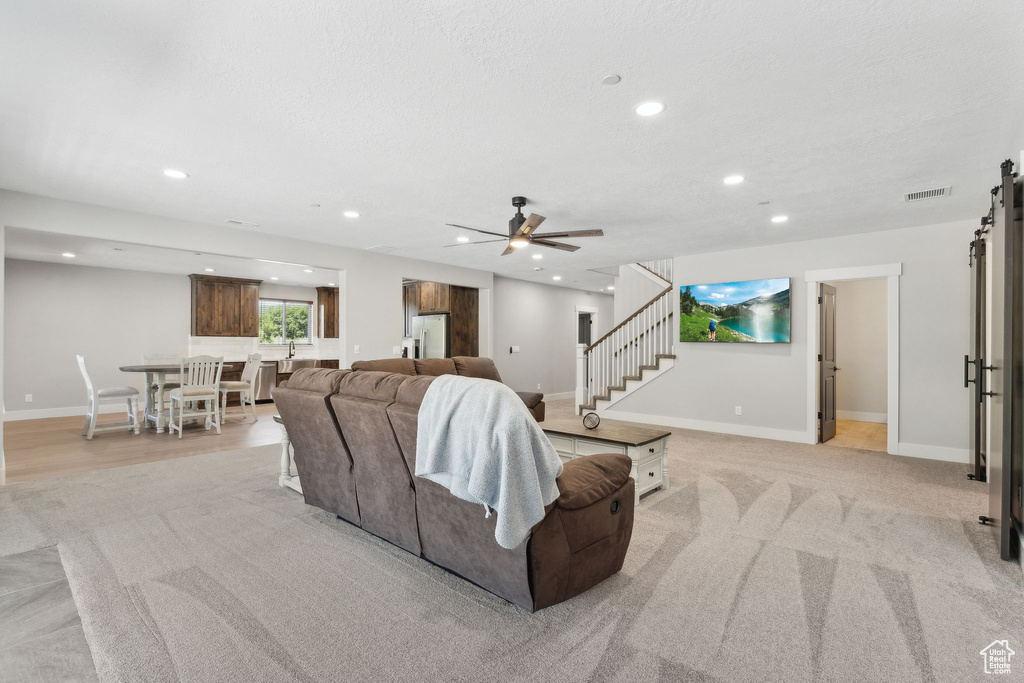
pixel 354 435
pixel 467 366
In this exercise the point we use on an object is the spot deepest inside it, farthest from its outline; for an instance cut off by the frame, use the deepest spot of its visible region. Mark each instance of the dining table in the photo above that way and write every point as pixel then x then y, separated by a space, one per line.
pixel 155 378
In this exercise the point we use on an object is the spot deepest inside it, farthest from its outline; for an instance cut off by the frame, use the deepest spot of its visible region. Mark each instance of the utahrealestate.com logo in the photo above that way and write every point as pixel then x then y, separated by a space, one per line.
pixel 997 657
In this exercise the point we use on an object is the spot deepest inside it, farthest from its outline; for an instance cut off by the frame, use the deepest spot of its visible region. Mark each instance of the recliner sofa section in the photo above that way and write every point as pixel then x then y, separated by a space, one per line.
pixel 466 366
pixel 362 441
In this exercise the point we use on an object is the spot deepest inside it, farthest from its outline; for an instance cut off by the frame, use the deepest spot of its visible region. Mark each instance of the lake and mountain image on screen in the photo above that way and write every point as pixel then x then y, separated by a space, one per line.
pixel 756 311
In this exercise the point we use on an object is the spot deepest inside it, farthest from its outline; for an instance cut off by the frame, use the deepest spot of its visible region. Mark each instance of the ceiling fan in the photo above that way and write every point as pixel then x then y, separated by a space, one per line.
pixel 521 232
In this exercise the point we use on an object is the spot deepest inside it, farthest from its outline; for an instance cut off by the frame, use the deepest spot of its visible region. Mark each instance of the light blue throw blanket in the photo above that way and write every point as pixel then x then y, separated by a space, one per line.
pixel 477 439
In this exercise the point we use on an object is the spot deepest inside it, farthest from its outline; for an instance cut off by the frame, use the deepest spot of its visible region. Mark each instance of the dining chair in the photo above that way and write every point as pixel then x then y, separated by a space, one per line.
pixel 97 397
pixel 200 381
pixel 245 387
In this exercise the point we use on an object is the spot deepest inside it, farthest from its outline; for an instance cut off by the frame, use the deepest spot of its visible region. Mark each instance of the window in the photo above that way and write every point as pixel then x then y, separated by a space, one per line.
pixel 283 321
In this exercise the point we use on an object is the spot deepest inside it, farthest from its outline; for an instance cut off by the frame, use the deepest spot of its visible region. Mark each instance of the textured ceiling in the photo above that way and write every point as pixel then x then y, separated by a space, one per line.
pixel 421 113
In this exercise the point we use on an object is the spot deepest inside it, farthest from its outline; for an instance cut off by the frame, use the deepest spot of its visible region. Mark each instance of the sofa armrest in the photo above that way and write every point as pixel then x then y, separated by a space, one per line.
pixel 530 398
pixel 591 478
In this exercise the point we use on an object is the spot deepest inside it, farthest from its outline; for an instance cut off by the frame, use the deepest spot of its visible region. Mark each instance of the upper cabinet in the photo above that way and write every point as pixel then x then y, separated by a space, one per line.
pixel 433 298
pixel 225 306
pixel 327 305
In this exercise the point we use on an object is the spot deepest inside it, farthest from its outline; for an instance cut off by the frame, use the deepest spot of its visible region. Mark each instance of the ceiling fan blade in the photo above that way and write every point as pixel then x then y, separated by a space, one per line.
pixel 570 233
pixel 466 244
pixel 555 245
pixel 532 221
pixel 486 232
pixel 508 250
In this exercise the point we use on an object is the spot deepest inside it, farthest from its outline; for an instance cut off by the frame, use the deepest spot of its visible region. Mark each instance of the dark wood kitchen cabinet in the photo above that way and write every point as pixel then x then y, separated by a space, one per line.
pixel 433 298
pixel 225 306
pixel 327 307
pixel 464 307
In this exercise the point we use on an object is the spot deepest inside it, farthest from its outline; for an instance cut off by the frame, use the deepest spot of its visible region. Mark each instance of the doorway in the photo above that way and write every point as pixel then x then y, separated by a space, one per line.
pixel 584 328
pixel 853 357
pixel 853 365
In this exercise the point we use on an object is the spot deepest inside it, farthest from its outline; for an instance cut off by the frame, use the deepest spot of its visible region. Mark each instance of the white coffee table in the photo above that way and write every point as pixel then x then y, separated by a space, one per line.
pixel 647 447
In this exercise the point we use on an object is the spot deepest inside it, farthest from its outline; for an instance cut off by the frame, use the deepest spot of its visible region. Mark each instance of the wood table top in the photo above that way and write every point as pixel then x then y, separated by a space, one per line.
pixel 151 367
pixel 609 430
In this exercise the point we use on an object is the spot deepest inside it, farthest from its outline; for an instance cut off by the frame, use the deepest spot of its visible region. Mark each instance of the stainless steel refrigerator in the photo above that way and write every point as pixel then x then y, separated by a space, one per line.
pixel 431 331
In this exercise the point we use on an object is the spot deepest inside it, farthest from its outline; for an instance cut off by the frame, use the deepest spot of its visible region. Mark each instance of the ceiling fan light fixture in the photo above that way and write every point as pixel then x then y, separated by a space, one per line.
pixel 519 242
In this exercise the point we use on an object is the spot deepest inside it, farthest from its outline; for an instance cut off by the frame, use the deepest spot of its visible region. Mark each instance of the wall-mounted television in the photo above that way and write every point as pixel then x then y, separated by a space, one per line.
pixel 753 311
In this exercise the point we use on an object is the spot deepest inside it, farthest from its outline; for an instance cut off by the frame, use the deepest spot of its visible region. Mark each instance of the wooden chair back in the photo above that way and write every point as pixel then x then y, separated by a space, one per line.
pixel 252 366
pixel 85 375
pixel 201 371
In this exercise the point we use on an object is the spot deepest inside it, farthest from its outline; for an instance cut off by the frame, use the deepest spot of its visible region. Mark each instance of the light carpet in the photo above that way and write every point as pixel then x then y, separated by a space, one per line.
pixel 765 561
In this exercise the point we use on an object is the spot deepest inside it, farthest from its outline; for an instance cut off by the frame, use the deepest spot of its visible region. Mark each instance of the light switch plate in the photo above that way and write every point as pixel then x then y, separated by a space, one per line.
pixel 739 410
pixel 355 349
pixel 28 398
pixel 514 349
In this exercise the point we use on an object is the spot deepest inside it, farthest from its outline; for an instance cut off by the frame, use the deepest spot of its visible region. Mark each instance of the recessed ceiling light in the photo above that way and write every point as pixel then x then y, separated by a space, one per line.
pixel 209 270
pixel 610 288
pixel 274 278
pixel 650 108
pixel 611 79
pixel 556 277
pixel 307 270
pixel 519 242
pixel 462 238
pixel 351 214
pixel 331 284
pixel 780 219
pixel 538 257
pixel 177 175
pixel 68 254
pixel 733 180
pixel 314 206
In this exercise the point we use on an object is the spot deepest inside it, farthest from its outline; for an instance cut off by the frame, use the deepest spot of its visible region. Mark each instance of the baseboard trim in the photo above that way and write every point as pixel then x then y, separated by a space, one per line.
pixel 792 436
pixel 559 396
pixel 862 417
pixel 43 413
pixel 943 453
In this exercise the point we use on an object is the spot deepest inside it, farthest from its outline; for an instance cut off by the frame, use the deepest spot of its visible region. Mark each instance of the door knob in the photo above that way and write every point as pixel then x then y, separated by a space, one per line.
pixel 837 369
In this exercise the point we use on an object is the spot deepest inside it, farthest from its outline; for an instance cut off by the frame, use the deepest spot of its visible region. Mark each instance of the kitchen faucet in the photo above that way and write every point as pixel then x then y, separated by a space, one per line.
pixel 291 350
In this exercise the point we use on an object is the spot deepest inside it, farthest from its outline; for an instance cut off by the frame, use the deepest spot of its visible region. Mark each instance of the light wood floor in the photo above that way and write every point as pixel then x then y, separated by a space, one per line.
pixel 49 447
pixel 868 436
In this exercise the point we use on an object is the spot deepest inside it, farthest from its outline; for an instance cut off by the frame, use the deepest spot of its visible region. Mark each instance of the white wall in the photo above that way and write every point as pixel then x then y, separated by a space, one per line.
pixel 633 290
pixel 769 381
pixel 370 284
pixel 541 320
pixel 55 311
pixel 861 388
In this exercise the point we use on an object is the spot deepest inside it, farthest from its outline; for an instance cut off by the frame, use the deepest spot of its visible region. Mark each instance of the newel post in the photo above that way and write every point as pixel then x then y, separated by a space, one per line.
pixel 581 377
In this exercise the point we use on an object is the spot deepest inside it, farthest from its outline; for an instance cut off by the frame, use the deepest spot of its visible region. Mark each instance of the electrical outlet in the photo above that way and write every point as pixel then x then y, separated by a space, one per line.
pixel 739 410
pixel 538 386
pixel 28 398
pixel 355 349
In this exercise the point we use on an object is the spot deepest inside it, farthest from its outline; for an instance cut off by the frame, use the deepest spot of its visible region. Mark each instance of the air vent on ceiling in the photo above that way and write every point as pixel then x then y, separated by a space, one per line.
pixel 244 224
pixel 382 249
pixel 927 194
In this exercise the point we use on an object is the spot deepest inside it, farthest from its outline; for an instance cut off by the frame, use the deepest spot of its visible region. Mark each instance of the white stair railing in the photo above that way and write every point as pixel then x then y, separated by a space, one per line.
pixel 660 267
pixel 632 346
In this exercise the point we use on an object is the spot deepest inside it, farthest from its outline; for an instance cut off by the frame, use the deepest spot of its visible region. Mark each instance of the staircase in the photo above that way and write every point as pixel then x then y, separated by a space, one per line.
pixel 632 354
